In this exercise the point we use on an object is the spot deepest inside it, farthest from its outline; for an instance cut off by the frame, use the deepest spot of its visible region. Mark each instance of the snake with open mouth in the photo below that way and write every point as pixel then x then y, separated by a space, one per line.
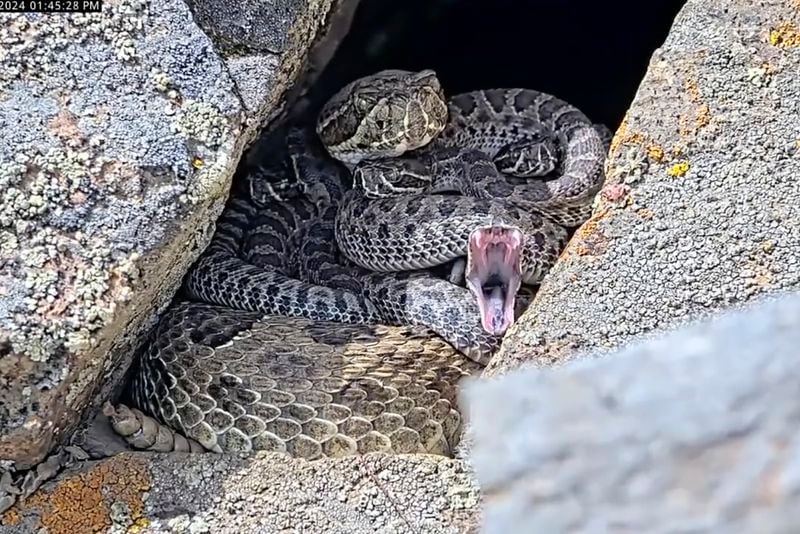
pixel 283 352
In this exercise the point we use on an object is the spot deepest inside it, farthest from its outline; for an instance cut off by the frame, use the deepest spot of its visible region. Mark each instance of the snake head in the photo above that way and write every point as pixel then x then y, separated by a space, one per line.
pixel 493 274
pixel 383 115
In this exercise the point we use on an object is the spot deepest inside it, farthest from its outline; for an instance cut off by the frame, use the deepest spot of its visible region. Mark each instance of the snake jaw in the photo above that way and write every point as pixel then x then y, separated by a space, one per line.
pixel 494 274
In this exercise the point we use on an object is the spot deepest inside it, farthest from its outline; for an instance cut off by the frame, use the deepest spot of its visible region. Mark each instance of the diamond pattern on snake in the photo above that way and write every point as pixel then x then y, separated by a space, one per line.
pixel 315 323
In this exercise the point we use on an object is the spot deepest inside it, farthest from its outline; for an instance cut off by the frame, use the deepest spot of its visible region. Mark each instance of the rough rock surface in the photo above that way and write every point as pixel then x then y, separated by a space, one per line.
pixel 701 207
pixel 693 432
pixel 267 493
pixel 250 35
pixel 121 133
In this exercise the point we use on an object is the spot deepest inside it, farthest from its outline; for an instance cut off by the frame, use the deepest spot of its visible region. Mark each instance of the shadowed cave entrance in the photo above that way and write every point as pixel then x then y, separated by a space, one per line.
pixel 591 54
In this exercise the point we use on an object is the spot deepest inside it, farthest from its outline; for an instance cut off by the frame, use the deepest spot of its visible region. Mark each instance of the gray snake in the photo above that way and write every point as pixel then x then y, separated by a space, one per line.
pixel 433 182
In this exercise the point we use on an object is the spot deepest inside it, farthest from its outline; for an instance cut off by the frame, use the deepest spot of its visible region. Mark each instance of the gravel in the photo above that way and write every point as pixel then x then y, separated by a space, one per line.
pixel 170 493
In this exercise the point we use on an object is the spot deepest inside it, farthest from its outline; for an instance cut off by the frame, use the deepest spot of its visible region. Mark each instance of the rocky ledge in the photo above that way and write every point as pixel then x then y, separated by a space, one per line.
pixel 122 130
pixel 170 493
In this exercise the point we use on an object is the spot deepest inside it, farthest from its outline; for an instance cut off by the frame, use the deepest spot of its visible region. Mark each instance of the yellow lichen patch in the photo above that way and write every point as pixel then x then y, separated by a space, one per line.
pixel 679 169
pixel 82 502
pixel 785 35
pixel 140 525
pixel 645 213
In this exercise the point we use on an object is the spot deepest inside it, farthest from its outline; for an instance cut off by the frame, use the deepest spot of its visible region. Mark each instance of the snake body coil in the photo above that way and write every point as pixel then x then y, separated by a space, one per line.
pixel 284 347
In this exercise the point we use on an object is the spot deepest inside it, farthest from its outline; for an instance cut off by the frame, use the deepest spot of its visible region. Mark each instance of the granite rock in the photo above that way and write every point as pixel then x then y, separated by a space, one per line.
pixel 132 125
pixel 692 432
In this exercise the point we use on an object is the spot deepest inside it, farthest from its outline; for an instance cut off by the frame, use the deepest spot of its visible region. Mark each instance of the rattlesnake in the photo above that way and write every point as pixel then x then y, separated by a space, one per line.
pixel 237 380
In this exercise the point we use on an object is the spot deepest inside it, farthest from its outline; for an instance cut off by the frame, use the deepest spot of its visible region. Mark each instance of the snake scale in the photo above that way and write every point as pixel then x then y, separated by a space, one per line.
pixel 311 319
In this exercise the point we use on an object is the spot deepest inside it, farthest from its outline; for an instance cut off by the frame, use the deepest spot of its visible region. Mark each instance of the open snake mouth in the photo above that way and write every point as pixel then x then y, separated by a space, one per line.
pixel 494 274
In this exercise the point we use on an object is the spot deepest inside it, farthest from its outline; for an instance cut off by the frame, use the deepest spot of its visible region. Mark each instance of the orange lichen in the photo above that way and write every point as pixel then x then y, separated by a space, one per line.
pixel 655 153
pixel 645 213
pixel 702 117
pixel 589 227
pixel 82 502
pixel 622 137
pixel 589 240
pixel 11 518
pixel 690 124
pixel 679 169
pixel 697 117
pixel 65 125
pixel 762 278
pixel 768 68
pixel 785 35
pixel 693 90
pixel 593 247
pixel 616 141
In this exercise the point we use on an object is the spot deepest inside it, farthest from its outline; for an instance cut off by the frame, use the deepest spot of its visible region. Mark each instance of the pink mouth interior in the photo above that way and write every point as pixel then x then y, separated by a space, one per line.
pixel 493 274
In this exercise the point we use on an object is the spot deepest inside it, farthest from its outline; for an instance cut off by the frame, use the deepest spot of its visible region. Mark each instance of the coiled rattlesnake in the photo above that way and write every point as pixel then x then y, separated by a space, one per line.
pixel 238 380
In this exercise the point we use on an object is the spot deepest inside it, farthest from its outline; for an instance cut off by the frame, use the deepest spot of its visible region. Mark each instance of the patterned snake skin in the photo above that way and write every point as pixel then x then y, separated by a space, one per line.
pixel 286 350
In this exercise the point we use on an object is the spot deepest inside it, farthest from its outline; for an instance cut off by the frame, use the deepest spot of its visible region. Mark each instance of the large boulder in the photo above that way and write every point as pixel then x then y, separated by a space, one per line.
pixel 694 432
pixel 701 207
pixel 121 131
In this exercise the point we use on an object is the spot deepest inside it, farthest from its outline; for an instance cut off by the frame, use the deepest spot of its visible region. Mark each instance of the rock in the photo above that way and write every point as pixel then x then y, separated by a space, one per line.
pixel 121 132
pixel 693 432
pixel 700 209
pixel 154 493
pixel 250 36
